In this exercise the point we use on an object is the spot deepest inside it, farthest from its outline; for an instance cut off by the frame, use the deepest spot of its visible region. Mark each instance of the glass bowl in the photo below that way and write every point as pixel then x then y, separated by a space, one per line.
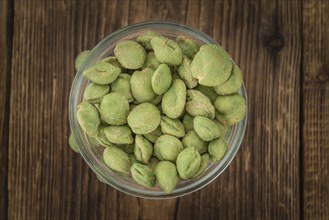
pixel 93 154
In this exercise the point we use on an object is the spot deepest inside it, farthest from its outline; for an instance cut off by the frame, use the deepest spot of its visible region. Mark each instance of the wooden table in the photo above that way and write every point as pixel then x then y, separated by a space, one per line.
pixel 282 168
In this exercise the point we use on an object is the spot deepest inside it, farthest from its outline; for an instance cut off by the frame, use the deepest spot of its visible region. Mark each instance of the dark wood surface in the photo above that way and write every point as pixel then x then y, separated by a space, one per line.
pixel 315 109
pixel 282 168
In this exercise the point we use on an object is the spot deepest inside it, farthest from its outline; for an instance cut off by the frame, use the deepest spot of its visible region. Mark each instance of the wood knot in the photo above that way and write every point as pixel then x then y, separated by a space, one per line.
pixel 274 43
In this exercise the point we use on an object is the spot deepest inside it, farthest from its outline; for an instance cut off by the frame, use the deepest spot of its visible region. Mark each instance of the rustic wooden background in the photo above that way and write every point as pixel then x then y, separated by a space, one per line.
pixel 282 168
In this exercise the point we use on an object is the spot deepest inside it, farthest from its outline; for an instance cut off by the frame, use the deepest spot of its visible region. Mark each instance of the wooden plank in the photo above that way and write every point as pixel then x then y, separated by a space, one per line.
pixel 316 109
pixel 6 17
pixel 47 180
pixel 262 182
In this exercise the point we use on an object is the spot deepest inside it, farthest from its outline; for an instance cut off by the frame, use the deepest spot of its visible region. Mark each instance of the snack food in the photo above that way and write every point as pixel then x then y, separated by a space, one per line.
pixel 188 163
pixel 162 108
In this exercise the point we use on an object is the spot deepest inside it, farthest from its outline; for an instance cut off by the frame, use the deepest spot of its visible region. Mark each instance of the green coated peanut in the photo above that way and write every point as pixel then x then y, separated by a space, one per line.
pixel 161 79
pixel 151 61
pixel 232 84
pixel 203 166
pixel 88 118
pixel 102 73
pixel 80 58
pixel 207 91
pixel 167 51
pixel 211 65
pixel 206 129
pixel 73 145
pixel 153 163
pixel 113 61
pixel 168 147
pixel 166 175
pixel 217 149
pixel 189 47
pixel 172 126
pixel 188 163
pixel 117 159
pixel 122 85
pixel 130 54
pixel 173 101
pixel 185 73
pixel 143 149
pixel 114 109
pixel 231 109
pixel 141 85
pixel 144 118
pixel 188 122
pixel 199 105
pixel 94 92
pixel 145 39
pixel 192 139
pixel 102 139
pixel 119 134
pixel 154 135
pixel 143 175
pixel 228 103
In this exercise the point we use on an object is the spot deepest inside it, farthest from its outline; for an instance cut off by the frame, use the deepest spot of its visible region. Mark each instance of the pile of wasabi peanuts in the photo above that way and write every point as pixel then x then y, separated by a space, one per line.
pixel 161 108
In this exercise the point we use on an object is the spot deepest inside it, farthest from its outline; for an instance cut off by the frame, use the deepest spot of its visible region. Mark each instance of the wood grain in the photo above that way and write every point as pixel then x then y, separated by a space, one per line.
pixel 6 16
pixel 316 109
pixel 262 182
pixel 282 168
pixel 47 180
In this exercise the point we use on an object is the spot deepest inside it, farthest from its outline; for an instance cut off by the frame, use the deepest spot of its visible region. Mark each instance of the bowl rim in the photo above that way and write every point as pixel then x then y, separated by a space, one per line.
pixel 90 159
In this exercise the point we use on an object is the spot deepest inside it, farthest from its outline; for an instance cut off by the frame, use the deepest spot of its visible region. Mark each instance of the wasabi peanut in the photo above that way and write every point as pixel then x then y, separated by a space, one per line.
pixel 143 175
pixel 217 149
pixel 130 54
pixel 80 58
pixel 117 159
pixel 88 118
pixel 161 109
pixel 172 126
pixel 143 149
pixel 167 51
pixel 167 147
pixel 113 61
pixel 151 61
pixel 199 104
pixel 173 101
pixel 166 175
pixel 144 118
pixel 192 139
pixel 73 145
pixel 211 65
pixel 94 92
pixel 232 84
pixel 114 109
pixel 122 85
pixel 119 134
pixel 141 85
pixel 102 73
pixel 188 122
pixel 189 47
pixel 188 163
pixel 185 73
pixel 161 79
pixel 154 135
